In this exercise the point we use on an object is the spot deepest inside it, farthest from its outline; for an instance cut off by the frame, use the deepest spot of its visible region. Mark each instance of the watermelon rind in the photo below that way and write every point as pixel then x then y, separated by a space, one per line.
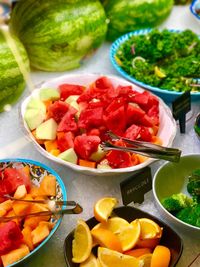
pixel 129 15
pixel 58 35
pixel 12 82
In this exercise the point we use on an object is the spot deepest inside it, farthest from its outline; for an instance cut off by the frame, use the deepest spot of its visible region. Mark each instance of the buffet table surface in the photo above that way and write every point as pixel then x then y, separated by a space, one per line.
pixel 87 189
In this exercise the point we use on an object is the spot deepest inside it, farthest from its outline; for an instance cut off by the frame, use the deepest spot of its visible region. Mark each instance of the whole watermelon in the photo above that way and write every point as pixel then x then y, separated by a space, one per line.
pixel 128 15
pixel 59 34
pixel 12 83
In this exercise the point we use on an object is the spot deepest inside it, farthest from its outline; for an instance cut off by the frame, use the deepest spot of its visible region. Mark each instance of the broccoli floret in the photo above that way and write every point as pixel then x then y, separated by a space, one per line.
pixel 190 215
pixel 196 200
pixel 193 185
pixel 176 202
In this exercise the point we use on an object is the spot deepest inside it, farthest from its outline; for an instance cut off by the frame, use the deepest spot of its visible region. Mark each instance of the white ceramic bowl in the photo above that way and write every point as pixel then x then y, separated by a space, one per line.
pixel 172 178
pixel 167 130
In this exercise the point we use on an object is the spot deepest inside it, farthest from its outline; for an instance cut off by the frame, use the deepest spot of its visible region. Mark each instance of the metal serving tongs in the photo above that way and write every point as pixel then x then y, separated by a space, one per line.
pixel 54 211
pixel 144 148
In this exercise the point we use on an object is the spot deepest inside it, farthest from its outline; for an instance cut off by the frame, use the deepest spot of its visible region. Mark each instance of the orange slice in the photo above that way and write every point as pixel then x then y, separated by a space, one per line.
pixel 114 224
pixel 148 243
pixel 82 242
pixel 149 229
pixel 110 258
pixel 160 257
pixel 104 207
pixel 145 260
pixel 90 262
pixel 106 238
pixel 130 235
pixel 137 252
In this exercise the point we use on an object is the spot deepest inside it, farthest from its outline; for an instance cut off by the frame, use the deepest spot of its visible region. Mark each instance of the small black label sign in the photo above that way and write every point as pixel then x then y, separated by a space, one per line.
pixel 180 107
pixel 134 188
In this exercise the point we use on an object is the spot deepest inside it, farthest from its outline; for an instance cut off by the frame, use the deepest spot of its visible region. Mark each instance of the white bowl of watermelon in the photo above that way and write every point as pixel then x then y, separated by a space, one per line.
pixel 68 118
pixel 26 179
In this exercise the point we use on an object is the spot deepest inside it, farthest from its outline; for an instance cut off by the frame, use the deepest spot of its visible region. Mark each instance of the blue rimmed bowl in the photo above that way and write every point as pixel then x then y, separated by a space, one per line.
pixel 37 172
pixel 165 94
pixel 194 7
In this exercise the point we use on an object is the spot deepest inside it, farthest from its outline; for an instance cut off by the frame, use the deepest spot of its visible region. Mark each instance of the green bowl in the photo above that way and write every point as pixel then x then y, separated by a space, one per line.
pixel 172 178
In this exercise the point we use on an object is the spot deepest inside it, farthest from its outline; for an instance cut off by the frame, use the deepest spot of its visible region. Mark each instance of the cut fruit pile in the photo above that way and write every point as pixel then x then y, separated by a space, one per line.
pixel 71 121
pixel 20 236
pixel 118 242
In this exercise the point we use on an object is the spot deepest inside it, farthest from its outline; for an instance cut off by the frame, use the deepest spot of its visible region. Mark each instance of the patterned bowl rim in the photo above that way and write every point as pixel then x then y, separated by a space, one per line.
pixel 192 9
pixel 64 194
pixel 115 46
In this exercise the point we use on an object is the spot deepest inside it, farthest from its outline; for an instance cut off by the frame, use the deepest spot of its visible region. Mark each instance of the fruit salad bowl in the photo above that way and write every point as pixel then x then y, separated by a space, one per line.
pixel 68 118
pixel 27 180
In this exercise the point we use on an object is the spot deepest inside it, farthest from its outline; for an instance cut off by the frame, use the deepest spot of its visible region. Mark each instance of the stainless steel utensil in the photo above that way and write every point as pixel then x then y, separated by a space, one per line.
pixel 144 148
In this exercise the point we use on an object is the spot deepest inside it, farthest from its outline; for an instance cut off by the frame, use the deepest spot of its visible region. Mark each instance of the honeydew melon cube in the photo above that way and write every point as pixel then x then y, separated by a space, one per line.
pixel 98 155
pixel 47 130
pixel 49 94
pixel 36 103
pixel 34 117
pixel 71 99
pixel 69 155
pixel 104 165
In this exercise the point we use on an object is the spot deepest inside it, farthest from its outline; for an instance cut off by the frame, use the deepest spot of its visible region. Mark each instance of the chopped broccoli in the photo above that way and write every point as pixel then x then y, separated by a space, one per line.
pixel 190 215
pixel 176 202
pixel 193 185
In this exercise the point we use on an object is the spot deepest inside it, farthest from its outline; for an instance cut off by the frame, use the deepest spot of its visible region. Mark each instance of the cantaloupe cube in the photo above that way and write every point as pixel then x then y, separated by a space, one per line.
pixel 39 234
pixel 22 208
pixel 48 186
pixel 34 192
pixel 50 225
pixel 27 237
pixel 15 255
pixel 5 207
pixel 11 213
pixel 33 222
pixel 21 192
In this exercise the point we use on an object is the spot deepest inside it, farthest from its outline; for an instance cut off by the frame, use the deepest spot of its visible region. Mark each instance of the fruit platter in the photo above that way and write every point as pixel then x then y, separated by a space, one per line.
pixel 71 121
pixel 69 118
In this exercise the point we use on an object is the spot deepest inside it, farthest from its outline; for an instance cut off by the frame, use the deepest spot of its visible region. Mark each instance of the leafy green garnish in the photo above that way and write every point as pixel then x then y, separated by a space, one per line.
pixel 177 54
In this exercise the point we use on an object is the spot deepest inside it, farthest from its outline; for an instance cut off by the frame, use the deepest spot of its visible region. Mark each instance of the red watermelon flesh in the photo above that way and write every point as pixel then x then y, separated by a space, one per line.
pixel 11 237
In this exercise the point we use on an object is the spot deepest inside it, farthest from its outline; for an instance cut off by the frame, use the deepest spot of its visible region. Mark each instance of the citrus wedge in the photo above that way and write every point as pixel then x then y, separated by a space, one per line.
pixel 106 238
pixel 130 235
pixel 137 252
pixel 90 262
pixel 114 224
pixel 145 260
pixel 110 258
pixel 149 229
pixel 160 257
pixel 82 242
pixel 148 243
pixel 103 208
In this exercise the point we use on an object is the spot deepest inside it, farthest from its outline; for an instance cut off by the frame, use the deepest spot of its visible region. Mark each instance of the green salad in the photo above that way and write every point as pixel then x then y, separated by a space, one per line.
pixel 164 59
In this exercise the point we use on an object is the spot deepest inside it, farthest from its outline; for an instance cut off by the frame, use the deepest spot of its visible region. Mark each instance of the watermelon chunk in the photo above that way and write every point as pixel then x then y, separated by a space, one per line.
pixel 103 83
pixel 91 118
pixel 119 159
pixel 116 121
pixel 57 110
pixel 11 237
pixel 85 145
pixel 134 113
pixel 65 141
pixel 132 132
pixel 70 89
pixel 67 123
pixel 12 178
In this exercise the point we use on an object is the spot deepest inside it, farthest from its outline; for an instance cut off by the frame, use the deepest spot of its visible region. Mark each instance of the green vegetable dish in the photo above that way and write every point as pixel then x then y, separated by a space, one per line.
pixel 186 208
pixel 165 59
